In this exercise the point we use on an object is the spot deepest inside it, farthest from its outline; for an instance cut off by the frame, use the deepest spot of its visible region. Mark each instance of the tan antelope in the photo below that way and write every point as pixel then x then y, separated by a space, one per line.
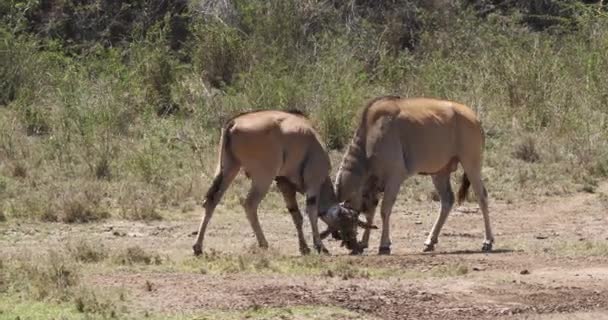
pixel 279 146
pixel 398 138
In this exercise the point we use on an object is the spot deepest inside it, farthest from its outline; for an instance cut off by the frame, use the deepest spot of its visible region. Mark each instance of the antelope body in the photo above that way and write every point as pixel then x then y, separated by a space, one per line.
pixel 398 138
pixel 279 146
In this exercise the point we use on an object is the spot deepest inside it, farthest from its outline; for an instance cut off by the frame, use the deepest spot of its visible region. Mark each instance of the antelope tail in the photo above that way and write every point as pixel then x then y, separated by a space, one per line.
pixel 464 188
pixel 224 152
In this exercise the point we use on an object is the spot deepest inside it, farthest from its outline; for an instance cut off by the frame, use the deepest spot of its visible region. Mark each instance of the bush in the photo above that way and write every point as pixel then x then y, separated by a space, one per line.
pixel 219 54
pixel 89 302
pixel 86 252
pixel 12 56
pixel 80 207
pixel 526 150
pixel 158 79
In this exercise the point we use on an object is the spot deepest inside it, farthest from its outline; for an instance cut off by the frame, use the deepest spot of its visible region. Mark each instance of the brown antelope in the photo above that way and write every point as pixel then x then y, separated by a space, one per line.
pixel 398 138
pixel 281 146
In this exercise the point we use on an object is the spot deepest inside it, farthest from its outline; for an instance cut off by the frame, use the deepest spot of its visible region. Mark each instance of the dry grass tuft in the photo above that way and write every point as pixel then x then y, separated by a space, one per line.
pixel 19 170
pixel 136 204
pixel 136 255
pixel 80 210
pixel 52 276
pixel 84 251
pixel 450 270
pixel 526 150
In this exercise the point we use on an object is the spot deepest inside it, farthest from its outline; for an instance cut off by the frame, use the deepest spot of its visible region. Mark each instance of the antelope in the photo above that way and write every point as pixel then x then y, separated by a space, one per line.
pixel 398 138
pixel 281 146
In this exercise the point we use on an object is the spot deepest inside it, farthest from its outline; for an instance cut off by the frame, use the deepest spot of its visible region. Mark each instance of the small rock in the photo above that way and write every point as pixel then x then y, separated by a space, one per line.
pixel 478 268
pixel 418 222
pixel 119 233
pixel 541 237
pixel 525 271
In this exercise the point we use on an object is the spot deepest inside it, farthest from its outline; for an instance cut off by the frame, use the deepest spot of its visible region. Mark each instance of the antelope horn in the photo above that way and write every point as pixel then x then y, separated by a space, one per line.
pixel 366 225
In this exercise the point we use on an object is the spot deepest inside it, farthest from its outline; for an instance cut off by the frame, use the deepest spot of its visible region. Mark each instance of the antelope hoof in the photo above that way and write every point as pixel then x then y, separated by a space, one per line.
pixel 384 251
pixel 321 249
pixel 429 247
pixel 487 247
pixel 362 246
pixel 305 251
pixel 356 251
pixel 198 249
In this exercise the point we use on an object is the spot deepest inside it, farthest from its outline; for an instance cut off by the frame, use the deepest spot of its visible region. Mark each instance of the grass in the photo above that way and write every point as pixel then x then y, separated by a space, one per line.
pixel 127 127
pixel 584 248
pixel 135 255
pixel 39 286
pixel 49 277
pixel 130 130
pixel 298 312
pixel 82 256
pixel 84 251
pixel 562 248
pixel 273 263
pixel 13 308
pixel 42 286
pixel 450 270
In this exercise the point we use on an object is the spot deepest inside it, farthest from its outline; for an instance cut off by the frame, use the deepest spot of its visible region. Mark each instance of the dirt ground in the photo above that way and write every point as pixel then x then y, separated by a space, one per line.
pixel 550 262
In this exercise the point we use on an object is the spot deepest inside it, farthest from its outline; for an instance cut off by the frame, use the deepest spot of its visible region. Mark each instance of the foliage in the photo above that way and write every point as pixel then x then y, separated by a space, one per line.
pixel 122 114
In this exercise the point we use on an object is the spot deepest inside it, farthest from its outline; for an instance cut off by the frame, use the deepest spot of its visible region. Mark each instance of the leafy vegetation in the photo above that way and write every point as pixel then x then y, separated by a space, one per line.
pixel 115 109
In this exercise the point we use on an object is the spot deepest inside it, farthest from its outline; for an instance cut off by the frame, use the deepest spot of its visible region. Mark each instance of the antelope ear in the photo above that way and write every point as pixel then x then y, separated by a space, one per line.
pixel 365 225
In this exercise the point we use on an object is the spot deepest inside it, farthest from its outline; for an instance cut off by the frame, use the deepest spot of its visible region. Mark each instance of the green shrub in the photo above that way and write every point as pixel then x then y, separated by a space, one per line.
pixel 219 54
pixel 158 79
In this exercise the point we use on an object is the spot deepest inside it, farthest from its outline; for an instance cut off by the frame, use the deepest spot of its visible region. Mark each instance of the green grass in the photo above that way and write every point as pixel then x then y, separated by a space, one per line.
pixel 258 262
pixel 90 130
pixel 12 308
pixel 84 257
